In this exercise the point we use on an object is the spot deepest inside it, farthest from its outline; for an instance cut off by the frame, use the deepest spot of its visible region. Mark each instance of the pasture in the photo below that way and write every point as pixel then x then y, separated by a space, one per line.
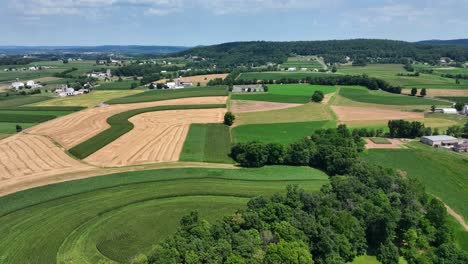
pixel 279 75
pixel 119 216
pixel 88 100
pixel 19 100
pixel 285 93
pixel 117 85
pixel 308 62
pixel 207 143
pixel 160 95
pixel 362 94
pixel 461 99
pixel 283 133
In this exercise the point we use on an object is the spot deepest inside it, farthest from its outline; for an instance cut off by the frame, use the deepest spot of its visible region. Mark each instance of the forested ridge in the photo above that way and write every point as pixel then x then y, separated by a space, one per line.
pixel 365 209
pixel 333 51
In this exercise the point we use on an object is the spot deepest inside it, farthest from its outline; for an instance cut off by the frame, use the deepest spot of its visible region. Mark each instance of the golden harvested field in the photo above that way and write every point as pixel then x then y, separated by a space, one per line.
pixel 203 79
pixel 32 156
pixel 87 100
pixel 156 137
pixel 75 128
pixel 441 92
pixel 349 113
pixel 244 106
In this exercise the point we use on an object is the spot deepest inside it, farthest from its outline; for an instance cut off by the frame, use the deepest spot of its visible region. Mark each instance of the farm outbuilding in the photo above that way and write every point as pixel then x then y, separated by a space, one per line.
pixel 247 88
pixel 438 141
pixel 461 146
pixel 451 111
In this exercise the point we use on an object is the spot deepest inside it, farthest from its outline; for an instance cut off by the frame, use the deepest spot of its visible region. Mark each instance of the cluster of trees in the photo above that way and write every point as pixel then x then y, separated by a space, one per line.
pixel 414 92
pixel 331 150
pixel 364 132
pixel 456 76
pixel 16 60
pixel 407 129
pixel 416 74
pixel 362 80
pixel 458 131
pixel 361 51
pixel 370 210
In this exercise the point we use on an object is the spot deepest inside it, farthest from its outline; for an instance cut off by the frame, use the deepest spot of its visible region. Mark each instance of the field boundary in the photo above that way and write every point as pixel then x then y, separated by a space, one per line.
pixel 120 125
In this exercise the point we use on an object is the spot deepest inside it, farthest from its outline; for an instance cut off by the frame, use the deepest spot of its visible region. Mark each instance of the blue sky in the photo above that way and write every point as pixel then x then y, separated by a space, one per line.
pixel 202 22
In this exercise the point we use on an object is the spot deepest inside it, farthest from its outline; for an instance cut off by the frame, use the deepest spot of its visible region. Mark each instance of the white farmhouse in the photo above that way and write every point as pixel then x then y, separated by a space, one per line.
pixel 17 85
pixel 292 69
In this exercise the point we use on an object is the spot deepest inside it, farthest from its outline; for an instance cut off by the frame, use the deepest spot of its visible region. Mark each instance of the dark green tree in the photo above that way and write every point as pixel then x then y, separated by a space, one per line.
pixel 229 118
pixel 317 96
pixel 423 92
pixel 414 91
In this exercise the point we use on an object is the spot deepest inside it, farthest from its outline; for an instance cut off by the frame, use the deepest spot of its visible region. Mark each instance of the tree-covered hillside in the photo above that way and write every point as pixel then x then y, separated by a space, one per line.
pixel 370 50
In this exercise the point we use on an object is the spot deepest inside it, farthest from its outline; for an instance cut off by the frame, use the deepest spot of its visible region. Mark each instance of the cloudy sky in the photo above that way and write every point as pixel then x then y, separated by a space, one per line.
pixel 202 22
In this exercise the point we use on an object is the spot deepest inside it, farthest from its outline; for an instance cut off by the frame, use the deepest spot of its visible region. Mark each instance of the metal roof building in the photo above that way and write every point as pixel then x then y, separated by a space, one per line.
pixel 442 140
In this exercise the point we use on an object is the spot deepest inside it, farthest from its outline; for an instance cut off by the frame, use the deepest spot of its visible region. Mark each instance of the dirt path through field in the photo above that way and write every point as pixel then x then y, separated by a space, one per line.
pixel 245 106
pixel 457 217
pixel 156 137
pixel 70 130
pixel 349 113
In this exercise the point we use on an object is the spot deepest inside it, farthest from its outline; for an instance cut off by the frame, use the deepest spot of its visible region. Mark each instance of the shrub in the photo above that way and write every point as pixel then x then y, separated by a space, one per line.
pixel 229 118
pixel 19 128
pixel 318 96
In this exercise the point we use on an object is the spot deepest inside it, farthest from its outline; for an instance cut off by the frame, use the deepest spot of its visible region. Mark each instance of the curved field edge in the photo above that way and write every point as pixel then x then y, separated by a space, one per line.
pixel 120 125
pixel 35 223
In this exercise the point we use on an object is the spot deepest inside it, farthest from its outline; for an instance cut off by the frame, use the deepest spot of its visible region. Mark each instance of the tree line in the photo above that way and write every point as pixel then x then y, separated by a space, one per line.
pixel 370 209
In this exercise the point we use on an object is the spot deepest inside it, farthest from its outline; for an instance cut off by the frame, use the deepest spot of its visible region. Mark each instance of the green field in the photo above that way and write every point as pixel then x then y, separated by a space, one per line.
pixel 389 73
pixel 123 85
pixel 380 140
pixel 120 125
pixel 362 94
pixel 10 127
pixel 159 95
pixel 119 216
pixel 285 93
pixel 207 143
pixel 455 98
pixel 444 173
pixel 13 101
pixel 372 260
pixel 309 62
pixel 276 133
pixel 279 75
pixel 87 100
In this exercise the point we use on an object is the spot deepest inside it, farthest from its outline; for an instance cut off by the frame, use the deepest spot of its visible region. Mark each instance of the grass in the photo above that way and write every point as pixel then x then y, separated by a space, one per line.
pixel 279 75
pixel 11 116
pixel 159 95
pixel 389 73
pixel 303 113
pixel 124 214
pixel 444 173
pixel 87 100
pixel 10 127
pixel 361 94
pixel 120 125
pixel 207 143
pixel 285 93
pixel 13 101
pixel 283 133
pixel 380 140
pixel 123 85
pixel 461 99
pixel 366 259
pixel 308 62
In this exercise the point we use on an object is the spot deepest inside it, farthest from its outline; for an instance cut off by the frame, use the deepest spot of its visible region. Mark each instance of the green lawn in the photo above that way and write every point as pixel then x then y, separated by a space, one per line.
pixel 444 173
pixel 285 93
pixel 276 133
pixel 120 125
pixel 207 143
pixel 159 95
pixel 362 94
pixel 124 214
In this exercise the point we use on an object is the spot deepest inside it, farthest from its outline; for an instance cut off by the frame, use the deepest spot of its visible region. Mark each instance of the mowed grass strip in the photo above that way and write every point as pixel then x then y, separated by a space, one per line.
pixel 159 95
pixel 283 133
pixel 66 222
pixel 285 93
pixel 361 94
pixel 207 143
pixel 120 125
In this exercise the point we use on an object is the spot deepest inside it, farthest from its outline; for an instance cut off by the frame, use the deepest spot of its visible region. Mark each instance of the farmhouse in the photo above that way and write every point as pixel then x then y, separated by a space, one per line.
pixel 17 85
pixel 439 141
pixel 100 74
pixel 67 91
pixel 292 69
pixel 177 84
pixel 33 85
pixel 461 146
pixel 247 88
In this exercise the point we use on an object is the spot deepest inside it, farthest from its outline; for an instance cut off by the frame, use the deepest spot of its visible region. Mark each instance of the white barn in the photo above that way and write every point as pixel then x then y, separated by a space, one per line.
pixel 438 141
pixel 451 111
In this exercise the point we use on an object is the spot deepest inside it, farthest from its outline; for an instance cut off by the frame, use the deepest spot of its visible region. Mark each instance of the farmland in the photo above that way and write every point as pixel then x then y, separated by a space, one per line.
pixel 308 62
pixel 72 214
pixel 285 93
pixel 207 143
pixel 119 85
pixel 87 100
pixel 279 75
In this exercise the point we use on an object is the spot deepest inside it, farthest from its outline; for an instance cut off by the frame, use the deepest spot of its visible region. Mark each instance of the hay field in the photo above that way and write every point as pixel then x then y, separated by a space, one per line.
pixel 87 100
pixel 156 137
pixel 246 106
pixel 203 79
pixel 348 113
pixel 33 156
pixel 73 129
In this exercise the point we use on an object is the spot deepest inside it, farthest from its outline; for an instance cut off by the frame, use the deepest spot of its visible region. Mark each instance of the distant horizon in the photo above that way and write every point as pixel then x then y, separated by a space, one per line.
pixel 208 22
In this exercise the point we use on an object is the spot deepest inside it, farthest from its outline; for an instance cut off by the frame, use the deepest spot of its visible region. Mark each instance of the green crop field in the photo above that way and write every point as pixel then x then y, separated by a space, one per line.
pixel 389 73
pixel 7 128
pixel 444 173
pixel 207 143
pixel 279 75
pixel 87 100
pixel 123 85
pixel 119 216
pixel 276 133
pixel 455 98
pixel 12 101
pixel 361 94
pixel 120 125
pixel 6 116
pixel 303 113
pixel 379 140
pixel 309 62
pixel 159 95
pixel 285 93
